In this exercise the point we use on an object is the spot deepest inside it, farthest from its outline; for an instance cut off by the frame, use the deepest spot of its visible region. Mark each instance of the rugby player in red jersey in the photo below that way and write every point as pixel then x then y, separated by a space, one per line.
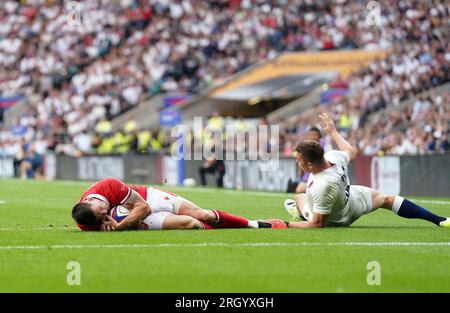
pixel 167 210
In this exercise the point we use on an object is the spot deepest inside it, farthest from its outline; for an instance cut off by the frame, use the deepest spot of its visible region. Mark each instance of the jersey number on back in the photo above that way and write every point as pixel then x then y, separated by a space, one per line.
pixel 347 187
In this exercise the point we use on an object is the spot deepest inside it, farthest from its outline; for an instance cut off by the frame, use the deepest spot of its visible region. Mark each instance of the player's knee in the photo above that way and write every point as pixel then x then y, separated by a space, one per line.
pixel 190 209
pixel 206 216
pixel 390 201
pixel 191 223
pixel 387 201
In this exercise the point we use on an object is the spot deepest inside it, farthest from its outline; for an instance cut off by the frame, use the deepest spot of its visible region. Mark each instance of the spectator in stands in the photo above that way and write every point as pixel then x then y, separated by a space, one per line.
pixel 31 165
pixel 123 51
pixel 445 143
pixel 213 165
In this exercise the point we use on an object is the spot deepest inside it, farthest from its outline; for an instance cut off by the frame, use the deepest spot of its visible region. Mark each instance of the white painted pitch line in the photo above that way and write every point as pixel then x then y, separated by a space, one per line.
pixel 2 202
pixel 432 201
pixel 231 192
pixel 37 228
pixel 232 245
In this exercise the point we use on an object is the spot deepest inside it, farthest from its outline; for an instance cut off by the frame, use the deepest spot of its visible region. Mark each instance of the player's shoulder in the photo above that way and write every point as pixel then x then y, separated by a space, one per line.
pixel 105 185
pixel 333 153
pixel 335 156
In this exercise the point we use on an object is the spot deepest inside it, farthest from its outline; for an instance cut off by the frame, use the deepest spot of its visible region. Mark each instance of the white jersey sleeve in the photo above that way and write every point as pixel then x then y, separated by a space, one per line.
pixel 337 157
pixel 324 197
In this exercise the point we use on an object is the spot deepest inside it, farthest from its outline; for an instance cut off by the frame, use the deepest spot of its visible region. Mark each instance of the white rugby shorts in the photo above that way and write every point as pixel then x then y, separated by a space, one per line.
pixel 162 201
pixel 155 220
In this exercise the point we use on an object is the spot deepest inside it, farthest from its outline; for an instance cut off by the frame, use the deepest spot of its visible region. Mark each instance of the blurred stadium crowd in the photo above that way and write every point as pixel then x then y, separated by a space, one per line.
pixel 77 78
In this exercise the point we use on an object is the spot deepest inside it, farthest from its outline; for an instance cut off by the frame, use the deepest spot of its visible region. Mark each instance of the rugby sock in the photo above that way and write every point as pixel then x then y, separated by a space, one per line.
pixel 264 224
pixel 407 209
pixel 207 226
pixel 272 224
pixel 227 220
pixel 253 224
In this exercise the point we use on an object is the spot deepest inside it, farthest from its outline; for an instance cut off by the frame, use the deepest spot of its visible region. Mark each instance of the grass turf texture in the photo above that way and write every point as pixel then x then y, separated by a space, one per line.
pixel 29 208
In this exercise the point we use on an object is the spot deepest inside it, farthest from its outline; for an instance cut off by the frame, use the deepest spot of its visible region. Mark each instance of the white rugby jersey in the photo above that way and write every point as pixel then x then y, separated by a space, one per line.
pixel 328 192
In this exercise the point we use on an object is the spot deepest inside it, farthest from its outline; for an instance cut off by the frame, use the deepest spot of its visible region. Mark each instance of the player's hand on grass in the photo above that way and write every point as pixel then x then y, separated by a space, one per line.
pixel 105 227
pixel 109 224
pixel 327 123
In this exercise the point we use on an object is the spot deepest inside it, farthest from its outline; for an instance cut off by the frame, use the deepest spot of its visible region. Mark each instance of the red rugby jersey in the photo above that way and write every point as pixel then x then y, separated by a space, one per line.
pixel 111 191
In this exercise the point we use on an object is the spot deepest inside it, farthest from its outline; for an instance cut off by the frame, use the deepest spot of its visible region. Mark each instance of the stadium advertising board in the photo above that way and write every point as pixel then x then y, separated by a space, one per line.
pixel 50 166
pixel 169 117
pixel 249 175
pixel 174 100
pixel 96 168
pixel 6 168
pixel 171 171
pixel 385 174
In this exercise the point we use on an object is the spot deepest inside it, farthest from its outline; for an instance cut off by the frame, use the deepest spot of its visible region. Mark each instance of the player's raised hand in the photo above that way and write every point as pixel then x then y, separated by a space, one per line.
pixel 327 123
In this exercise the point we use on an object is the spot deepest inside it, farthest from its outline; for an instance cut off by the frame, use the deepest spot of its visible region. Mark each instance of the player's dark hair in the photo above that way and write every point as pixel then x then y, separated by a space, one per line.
pixel 83 214
pixel 311 151
pixel 315 129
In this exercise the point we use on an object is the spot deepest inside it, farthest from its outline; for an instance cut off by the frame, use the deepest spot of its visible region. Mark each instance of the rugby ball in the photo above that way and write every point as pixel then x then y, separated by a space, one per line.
pixel 119 213
pixel 189 182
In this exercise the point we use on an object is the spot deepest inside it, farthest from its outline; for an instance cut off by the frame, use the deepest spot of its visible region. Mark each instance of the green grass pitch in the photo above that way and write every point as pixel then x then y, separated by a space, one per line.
pixel 38 239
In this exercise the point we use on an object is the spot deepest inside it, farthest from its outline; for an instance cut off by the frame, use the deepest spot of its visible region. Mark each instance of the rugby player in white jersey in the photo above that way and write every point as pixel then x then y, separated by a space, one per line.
pixel 330 200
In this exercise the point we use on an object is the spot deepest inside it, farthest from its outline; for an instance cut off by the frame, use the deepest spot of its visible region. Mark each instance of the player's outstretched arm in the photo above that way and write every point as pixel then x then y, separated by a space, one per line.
pixel 139 210
pixel 318 221
pixel 328 126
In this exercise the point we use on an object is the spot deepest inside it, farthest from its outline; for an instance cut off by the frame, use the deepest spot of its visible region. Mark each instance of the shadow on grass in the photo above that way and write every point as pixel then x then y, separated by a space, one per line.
pixel 390 227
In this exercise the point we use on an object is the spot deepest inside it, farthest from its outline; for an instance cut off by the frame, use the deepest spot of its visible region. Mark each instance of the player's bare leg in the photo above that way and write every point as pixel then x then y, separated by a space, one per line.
pixel 406 209
pixel 221 219
pixel 295 207
pixel 193 210
pixel 381 201
pixel 300 200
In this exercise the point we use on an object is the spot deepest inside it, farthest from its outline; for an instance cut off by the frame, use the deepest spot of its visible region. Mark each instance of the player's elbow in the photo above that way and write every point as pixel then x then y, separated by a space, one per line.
pixel 320 221
pixel 146 208
pixel 319 224
pixel 352 153
pixel 143 208
pixel 316 224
